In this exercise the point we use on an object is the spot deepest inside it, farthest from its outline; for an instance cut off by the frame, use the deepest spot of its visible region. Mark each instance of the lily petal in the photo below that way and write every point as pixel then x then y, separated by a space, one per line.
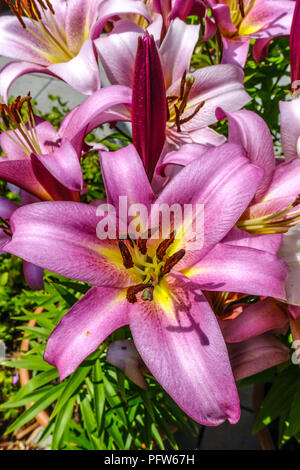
pixel 235 51
pixel 255 320
pixel 240 269
pixel 290 126
pixel 124 175
pixel 177 49
pixel 94 317
pixel 256 354
pixel 33 275
pixel 224 181
pixel 185 351
pixel 63 164
pixel 67 229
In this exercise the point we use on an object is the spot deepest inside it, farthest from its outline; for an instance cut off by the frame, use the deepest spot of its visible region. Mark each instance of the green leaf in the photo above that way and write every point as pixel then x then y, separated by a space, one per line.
pixel 62 423
pixel 71 385
pixel 29 362
pixel 99 394
pixel 279 398
pixel 40 405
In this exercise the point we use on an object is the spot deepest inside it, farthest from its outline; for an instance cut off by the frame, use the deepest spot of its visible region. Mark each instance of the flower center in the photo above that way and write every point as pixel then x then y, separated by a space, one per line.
pixel 21 124
pixel 177 104
pixel 150 266
pixel 43 27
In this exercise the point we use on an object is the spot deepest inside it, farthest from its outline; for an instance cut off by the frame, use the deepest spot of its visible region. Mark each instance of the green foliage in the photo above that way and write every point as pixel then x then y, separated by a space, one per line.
pixel 96 407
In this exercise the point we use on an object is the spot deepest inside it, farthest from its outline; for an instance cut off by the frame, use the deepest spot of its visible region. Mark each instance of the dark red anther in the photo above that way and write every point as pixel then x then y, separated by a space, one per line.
pixel 126 256
pixel 172 261
pixel 163 246
pixel 133 290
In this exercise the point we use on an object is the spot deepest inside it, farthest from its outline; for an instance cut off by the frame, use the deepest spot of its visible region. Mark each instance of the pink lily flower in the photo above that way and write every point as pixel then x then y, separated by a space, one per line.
pixel 56 38
pixel 239 21
pixel 275 206
pixel 192 98
pixel 155 285
pixel 44 162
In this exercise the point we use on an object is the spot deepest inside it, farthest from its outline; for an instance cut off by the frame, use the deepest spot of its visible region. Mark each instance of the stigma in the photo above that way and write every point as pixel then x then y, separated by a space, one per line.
pixel 149 266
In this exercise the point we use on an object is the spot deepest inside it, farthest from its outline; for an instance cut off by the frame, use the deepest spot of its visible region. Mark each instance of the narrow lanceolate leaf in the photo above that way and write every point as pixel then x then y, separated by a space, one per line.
pixel 295 48
pixel 149 108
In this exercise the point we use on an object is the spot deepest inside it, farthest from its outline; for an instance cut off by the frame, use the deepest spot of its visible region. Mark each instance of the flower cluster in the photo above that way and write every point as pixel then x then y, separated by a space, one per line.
pixel 180 283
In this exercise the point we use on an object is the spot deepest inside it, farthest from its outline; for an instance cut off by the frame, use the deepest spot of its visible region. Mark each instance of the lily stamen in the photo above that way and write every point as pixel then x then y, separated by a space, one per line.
pixel 176 105
pixel 22 127
pixel 278 222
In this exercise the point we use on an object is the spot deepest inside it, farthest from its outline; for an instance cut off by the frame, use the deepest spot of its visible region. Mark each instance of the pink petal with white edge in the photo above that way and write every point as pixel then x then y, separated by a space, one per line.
pixel 255 355
pixel 184 350
pixel 81 72
pixel 269 243
pixel 123 41
pixel 94 317
pixel 255 320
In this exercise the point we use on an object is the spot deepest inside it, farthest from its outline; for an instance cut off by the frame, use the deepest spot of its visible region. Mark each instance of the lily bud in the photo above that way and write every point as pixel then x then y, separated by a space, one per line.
pixel 149 107
pixel 295 48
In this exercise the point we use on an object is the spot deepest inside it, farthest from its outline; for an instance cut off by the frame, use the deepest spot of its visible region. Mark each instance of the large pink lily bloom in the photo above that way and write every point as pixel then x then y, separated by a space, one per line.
pixel 196 95
pixel 57 39
pixel 172 324
pixel 239 21
pixel 46 163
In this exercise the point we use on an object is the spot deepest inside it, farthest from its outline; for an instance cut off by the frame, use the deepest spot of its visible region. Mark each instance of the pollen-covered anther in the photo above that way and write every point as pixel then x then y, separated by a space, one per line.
pixel 172 261
pixel 13 111
pixel 133 290
pixel 163 246
pixel 29 8
pixel 126 255
pixel 142 245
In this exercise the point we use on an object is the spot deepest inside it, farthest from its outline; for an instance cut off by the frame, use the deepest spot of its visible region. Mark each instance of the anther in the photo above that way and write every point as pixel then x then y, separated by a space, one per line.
pixel 133 290
pixel 172 261
pixel 163 246
pixel 126 256
pixel 241 7
pixel 142 245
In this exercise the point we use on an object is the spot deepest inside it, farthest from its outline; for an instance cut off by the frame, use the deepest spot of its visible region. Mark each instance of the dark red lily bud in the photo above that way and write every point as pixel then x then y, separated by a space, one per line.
pixel 149 106
pixel 295 48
